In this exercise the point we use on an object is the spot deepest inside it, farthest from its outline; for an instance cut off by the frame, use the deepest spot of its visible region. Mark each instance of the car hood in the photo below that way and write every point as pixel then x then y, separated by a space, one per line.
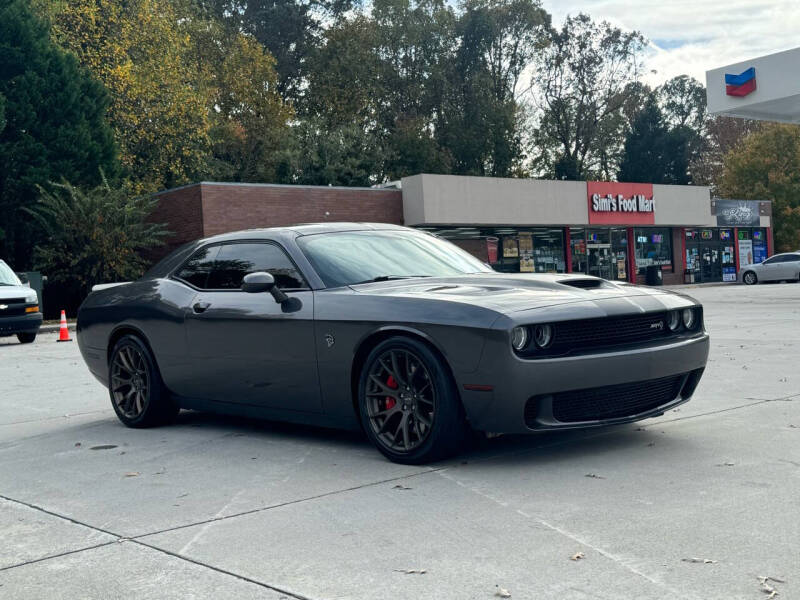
pixel 511 293
pixel 14 291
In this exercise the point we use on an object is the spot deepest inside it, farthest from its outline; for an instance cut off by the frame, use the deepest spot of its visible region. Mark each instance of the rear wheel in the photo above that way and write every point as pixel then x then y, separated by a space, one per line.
pixel 750 278
pixel 409 403
pixel 137 392
pixel 26 338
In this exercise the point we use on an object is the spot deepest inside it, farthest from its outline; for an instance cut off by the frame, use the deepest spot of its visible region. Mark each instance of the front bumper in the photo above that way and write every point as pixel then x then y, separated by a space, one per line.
pixel 518 384
pixel 29 323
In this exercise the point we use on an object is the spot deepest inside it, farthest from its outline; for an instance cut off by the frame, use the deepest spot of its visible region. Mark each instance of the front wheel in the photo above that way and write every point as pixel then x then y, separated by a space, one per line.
pixel 137 392
pixel 750 278
pixel 409 403
pixel 26 338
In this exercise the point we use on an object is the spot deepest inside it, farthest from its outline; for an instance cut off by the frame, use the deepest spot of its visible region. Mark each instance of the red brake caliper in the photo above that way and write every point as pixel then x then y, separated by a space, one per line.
pixel 390 402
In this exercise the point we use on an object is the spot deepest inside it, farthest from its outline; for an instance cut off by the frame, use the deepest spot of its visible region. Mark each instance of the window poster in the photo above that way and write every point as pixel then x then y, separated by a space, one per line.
pixel 510 249
pixel 526 253
pixel 491 249
pixel 745 252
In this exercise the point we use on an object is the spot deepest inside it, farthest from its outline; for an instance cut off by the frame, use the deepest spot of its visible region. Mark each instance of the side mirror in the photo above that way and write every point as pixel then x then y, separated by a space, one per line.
pixel 257 283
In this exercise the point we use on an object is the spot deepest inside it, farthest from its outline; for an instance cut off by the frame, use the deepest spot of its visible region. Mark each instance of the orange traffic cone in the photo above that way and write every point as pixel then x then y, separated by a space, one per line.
pixel 63 332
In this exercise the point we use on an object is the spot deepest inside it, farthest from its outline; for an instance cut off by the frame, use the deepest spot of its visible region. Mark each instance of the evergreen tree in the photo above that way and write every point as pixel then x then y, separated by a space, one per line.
pixel 645 146
pixel 55 125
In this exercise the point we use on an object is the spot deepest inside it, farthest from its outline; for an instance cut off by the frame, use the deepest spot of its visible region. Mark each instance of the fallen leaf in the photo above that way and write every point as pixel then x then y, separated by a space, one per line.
pixel 103 447
pixel 412 571
pixel 705 561
pixel 77 444
pixel 577 556
pixel 594 476
pixel 132 474
pixel 402 487
pixel 502 592
pixel 726 464
pixel 651 444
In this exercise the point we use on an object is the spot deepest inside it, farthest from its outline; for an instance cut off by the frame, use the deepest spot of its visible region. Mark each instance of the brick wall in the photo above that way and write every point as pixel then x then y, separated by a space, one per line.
pixel 234 207
pixel 205 209
pixel 181 210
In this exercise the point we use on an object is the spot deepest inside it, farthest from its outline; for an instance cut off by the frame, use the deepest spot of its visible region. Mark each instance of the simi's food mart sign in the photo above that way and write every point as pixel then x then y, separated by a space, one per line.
pixel 612 203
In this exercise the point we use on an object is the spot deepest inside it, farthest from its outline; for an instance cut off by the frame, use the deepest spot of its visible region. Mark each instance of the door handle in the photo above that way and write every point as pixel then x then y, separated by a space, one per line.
pixel 200 307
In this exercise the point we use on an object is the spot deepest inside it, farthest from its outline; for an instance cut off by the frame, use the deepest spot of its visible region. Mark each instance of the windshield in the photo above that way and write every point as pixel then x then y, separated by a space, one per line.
pixel 351 257
pixel 7 276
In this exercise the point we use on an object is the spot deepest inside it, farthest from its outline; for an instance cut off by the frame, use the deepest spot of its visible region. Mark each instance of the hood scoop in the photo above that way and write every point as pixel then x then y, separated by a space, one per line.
pixel 585 284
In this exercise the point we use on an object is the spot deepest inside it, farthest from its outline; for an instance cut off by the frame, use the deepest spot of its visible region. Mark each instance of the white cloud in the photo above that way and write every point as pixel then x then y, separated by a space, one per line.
pixel 692 37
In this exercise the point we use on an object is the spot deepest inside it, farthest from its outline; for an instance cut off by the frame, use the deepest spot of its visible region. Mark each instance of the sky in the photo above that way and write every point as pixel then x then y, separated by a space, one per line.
pixel 693 36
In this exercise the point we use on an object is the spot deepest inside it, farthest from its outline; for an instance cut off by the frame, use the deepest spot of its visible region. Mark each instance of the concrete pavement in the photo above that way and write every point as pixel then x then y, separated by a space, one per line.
pixel 698 503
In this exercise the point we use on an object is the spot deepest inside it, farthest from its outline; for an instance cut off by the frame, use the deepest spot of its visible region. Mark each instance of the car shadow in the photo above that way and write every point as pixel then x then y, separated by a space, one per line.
pixel 508 449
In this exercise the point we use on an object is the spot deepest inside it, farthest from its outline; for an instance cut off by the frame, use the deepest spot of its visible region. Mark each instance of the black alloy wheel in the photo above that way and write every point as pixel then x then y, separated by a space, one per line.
pixel 135 386
pixel 750 278
pixel 409 403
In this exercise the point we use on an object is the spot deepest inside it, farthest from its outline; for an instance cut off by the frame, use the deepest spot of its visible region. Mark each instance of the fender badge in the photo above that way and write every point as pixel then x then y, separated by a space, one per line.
pixel 329 340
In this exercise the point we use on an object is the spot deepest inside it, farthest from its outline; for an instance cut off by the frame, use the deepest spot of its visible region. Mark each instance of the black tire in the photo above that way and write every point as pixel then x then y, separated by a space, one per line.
pixel 26 338
pixel 432 398
pixel 145 401
pixel 750 278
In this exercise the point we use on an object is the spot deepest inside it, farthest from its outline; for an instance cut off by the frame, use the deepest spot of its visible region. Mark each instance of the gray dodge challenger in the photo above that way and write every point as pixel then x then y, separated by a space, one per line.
pixel 387 329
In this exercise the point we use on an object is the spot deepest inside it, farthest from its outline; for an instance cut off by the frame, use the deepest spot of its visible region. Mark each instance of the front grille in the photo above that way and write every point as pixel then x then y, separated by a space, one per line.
pixel 587 335
pixel 609 402
pixel 14 307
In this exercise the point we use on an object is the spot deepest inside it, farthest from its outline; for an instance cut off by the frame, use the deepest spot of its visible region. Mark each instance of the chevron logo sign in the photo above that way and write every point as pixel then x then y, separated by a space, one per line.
pixel 741 84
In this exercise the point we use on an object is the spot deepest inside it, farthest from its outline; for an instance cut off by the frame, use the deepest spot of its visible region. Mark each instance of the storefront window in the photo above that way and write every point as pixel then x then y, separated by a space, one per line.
pixel 510 249
pixel 653 246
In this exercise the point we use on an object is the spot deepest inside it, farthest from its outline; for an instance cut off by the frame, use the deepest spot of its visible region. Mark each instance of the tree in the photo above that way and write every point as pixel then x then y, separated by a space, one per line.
pixel 766 166
pixel 289 29
pixel 345 155
pixel 55 124
pixel 480 123
pixel 643 158
pixel 722 135
pixel 249 120
pixel 580 83
pixel 683 102
pixel 95 236
pixel 653 152
pixel 141 51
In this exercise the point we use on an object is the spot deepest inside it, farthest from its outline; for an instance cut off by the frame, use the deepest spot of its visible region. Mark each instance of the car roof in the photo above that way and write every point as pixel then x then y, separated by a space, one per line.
pixel 177 256
pixel 300 229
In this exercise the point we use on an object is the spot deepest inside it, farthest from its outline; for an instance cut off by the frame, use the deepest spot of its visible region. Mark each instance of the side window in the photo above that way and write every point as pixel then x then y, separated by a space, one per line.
pixel 197 269
pixel 234 261
pixel 773 260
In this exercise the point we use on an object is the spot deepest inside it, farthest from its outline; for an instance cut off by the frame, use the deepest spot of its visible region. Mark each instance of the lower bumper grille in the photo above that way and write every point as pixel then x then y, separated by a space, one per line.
pixel 613 401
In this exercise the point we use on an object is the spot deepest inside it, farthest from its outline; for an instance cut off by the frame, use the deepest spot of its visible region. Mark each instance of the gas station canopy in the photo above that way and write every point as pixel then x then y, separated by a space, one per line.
pixel 765 88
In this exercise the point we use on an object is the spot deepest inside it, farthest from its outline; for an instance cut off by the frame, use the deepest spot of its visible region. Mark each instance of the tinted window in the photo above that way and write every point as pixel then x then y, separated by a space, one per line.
pixel 234 261
pixel 198 267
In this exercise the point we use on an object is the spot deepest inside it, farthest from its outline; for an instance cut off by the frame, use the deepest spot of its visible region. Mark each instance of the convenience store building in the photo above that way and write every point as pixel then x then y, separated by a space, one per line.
pixel 611 230
pixel 607 229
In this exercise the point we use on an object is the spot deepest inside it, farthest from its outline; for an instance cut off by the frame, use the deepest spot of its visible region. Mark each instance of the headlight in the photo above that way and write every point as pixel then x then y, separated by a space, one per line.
pixel 519 337
pixel 689 318
pixel 673 320
pixel 543 335
pixel 31 298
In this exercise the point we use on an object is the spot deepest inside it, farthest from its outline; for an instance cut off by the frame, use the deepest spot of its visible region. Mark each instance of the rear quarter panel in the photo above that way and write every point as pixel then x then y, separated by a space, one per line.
pixel 155 308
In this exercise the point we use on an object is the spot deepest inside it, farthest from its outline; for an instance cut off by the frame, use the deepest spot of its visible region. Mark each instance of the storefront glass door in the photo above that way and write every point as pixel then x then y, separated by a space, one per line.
pixel 599 255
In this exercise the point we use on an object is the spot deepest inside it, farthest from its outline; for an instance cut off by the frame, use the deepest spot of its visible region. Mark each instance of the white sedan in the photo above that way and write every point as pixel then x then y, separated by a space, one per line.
pixel 780 267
